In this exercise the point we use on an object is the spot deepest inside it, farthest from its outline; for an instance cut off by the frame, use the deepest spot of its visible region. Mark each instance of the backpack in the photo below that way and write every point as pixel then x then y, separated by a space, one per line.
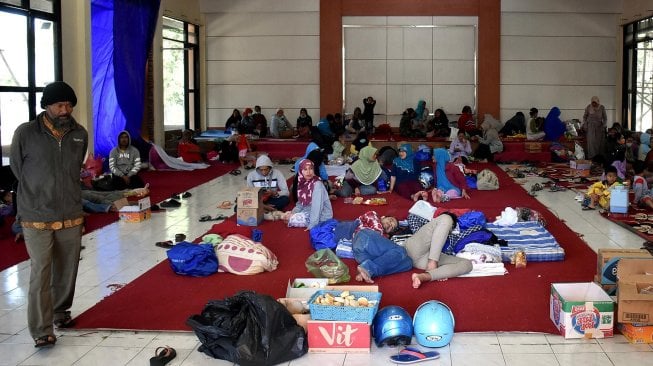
pixel 487 180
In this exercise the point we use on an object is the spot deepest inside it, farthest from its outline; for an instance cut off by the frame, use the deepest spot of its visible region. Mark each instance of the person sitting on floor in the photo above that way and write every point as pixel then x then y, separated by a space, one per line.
pixel 490 143
pixel 599 192
pixel 643 195
pixel 188 149
pixel 449 178
pixel 361 178
pixel 125 163
pixel 460 147
pixel 405 171
pixel 535 130
pixel 312 197
pixel 514 126
pixel 439 124
pixel 406 126
pixel 260 122
pixel 276 197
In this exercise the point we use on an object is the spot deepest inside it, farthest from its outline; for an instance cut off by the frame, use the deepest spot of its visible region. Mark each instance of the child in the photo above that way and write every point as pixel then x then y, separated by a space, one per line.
pixel 243 149
pixel 338 147
pixel 599 192
pixel 643 196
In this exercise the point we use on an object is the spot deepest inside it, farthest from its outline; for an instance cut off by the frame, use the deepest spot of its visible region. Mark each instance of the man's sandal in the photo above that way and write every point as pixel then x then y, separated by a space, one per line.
pixel 65 322
pixel 163 355
pixel 45 341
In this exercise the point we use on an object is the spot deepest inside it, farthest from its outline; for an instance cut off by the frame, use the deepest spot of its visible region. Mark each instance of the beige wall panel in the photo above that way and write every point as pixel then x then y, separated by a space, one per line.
pixel 263 48
pixel 249 6
pixel 400 97
pixel 356 92
pixel 280 72
pixel 416 20
pixel 453 72
pixel 557 73
pixel 548 24
pixel 454 43
pixel 270 96
pixel 365 71
pixel 452 98
pixel 410 72
pixel 365 43
pixel 258 24
pixel 561 6
pixel 558 48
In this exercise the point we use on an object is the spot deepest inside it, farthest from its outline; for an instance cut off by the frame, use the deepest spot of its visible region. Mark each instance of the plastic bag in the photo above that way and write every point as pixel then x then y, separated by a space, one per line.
pixel 196 260
pixel 325 264
pixel 249 329
pixel 579 153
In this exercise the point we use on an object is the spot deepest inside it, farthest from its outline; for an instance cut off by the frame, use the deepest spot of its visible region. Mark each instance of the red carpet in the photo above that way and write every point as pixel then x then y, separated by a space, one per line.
pixel 519 301
pixel 163 184
pixel 640 226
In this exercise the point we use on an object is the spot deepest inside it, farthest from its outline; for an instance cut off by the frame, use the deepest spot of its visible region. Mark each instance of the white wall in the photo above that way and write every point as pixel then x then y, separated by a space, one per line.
pixel 263 53
pixel 559 53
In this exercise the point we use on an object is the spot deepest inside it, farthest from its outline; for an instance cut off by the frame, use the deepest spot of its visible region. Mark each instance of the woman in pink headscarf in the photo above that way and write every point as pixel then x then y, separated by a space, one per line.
pixel 595 121
pixel 312 197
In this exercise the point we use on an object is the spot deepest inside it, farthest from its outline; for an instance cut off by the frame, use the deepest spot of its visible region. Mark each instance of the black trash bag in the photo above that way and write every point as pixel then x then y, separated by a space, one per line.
pixel 249 329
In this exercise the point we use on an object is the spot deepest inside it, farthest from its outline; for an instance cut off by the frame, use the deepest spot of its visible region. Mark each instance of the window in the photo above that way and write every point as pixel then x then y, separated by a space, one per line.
pixel 180 75
pixel 29 59
pixel 637 92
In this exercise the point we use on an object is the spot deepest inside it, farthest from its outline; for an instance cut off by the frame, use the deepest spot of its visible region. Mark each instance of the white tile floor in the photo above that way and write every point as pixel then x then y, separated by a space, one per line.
pixel 121 252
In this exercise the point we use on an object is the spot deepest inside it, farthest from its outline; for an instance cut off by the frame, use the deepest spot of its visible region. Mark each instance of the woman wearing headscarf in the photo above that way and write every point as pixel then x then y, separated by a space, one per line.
pixel 644 146
pixel 515 125
pixel 403 177
pixel 554 128
pixel 313 199
pixel 490 143
pixel 595 121
pixel 233 120
pixel 421 115
pixel 246 124
pixel 279 125
pixel 449 179
pixel 321 168
pixel 361 178
pixel 439 124
pixel 317 157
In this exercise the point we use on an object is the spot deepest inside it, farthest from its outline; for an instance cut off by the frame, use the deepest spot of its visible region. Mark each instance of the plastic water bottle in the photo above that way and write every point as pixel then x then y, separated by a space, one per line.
pixel 381 185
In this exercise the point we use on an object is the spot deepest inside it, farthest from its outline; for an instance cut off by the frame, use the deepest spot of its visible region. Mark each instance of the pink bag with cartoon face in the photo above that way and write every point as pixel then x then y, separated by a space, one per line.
pixel 242 256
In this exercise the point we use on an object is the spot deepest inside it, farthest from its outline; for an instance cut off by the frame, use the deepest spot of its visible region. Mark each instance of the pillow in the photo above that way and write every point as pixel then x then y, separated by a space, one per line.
pixel 243 256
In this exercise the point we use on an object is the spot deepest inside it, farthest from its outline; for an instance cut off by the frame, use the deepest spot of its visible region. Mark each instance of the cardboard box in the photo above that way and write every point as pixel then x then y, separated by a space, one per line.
pixel 132 214
pixel 633 305
pixel 581 310
pixel 611 290
pixel 637 333
pixel 299 310
pixel 619 200
pixel 250 206
pixel 580 168
pixel 608 260
pixel 338 337
pixel 311 285
pixel 532 147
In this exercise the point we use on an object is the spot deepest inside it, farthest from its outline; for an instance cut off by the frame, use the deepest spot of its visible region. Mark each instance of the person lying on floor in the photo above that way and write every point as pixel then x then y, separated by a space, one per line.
pixel 272 181
pixel 361 178
pixel 105 201
pixel 313 204
pixel 378 255
pixel 125 163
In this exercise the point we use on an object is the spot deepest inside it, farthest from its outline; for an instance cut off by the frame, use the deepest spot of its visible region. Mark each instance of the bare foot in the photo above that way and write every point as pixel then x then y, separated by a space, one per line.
pixel 416 281
pixel 363 275
pixel 425 195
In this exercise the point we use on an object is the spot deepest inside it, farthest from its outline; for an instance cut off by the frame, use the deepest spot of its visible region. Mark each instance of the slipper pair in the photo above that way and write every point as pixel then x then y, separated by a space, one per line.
pixel 177 196
pixel 163 355
pixel 235 172
pixel 412 355
pixel 205 218
pixel 45 341
pixel 225 205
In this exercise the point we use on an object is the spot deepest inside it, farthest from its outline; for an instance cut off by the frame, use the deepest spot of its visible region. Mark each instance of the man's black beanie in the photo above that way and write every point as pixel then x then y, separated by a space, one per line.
pixel 56 92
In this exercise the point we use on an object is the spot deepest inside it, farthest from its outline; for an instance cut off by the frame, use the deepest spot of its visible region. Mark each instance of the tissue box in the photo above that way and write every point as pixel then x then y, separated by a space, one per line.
pixel 581 310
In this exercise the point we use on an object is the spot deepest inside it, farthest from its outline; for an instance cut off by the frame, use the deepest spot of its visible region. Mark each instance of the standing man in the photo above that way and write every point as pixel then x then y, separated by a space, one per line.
pixel 47 155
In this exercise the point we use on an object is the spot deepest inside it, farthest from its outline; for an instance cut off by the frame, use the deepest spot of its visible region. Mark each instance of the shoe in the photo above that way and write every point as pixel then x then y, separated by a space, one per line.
pixel 170 203
pixel 45 341
pixel 179 238
pixel 186 195
pixel 412 355
pixel 165 244
pixel 235 172
pixel 65 322
pixel 175 196
pixel 163 355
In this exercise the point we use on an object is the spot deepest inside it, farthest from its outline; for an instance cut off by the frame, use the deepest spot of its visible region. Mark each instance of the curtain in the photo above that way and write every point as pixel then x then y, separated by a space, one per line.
pixel 121 37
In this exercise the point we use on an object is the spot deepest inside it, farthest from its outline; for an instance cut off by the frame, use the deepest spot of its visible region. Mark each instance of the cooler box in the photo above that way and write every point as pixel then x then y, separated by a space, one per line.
pixel 619 200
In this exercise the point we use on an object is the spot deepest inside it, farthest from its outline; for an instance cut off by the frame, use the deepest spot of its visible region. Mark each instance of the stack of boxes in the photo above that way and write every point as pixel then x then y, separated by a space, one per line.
pixel 628 274
pixel 249 211
pixel 338 331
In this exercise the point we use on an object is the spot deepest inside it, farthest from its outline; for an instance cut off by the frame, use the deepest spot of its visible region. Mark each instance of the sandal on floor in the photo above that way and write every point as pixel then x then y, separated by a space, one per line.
pixel 170 203
pixel 186 195
pixel 165 244
pixel 65 322
pixel 45 341
pixel 588 208
pixel 163 355
pixel 225 205
pixel 412 355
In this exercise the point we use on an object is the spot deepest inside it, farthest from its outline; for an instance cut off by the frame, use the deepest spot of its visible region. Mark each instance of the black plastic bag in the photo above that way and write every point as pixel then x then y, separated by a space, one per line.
pixel 249 329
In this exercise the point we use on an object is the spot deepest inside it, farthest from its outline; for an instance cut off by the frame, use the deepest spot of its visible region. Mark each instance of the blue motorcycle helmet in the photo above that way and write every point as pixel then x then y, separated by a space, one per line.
pixel 426 179
pixel 433 324
pixel 392 326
